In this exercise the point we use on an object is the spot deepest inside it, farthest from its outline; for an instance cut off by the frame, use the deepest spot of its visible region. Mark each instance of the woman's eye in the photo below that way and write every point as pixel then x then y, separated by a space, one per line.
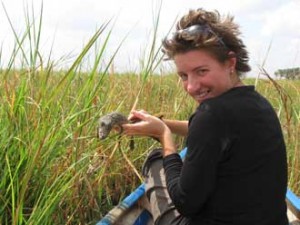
pixel 183 77
pixel 202 72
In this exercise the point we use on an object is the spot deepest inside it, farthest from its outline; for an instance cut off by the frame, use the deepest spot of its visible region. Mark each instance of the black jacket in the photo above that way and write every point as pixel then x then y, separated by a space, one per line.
pixel 235 170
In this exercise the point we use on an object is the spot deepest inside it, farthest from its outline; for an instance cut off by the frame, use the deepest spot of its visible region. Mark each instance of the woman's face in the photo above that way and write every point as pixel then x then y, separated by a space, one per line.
pixel 204 77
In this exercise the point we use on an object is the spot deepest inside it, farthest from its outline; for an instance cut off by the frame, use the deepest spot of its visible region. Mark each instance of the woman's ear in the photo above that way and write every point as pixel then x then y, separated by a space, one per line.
pixel 232 60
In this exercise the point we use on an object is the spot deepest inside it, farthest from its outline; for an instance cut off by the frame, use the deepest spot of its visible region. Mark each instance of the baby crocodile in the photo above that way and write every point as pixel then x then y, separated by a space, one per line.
pixel 115 119
pixel 108 121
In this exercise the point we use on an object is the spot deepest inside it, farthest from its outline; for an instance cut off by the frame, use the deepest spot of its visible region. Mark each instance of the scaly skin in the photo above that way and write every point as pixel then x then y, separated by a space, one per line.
pixel 108 121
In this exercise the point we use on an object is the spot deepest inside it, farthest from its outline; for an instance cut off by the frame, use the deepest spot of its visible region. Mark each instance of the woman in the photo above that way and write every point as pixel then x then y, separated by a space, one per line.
pixel 235 170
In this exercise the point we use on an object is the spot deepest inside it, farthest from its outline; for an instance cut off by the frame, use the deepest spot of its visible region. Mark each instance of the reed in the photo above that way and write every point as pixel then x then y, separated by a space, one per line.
pixel 54 170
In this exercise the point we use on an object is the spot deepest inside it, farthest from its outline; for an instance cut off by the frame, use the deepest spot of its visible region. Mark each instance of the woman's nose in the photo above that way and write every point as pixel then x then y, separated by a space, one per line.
pixel 192 85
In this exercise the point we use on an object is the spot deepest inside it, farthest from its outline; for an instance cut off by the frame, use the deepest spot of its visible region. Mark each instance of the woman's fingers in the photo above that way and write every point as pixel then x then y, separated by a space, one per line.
pixel 138 128
pixel 136 116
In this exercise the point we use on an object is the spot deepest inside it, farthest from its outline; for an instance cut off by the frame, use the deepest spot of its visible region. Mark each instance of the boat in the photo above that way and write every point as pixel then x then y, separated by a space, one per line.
pixel 133 209
pixel 293 204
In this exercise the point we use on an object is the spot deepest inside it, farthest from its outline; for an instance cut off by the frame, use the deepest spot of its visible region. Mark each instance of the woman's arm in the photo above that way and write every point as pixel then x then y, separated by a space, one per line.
pixel 191 183
pixel 179 127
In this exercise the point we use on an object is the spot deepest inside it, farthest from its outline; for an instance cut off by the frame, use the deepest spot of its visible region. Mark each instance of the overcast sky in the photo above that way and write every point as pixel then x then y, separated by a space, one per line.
pixel 68 25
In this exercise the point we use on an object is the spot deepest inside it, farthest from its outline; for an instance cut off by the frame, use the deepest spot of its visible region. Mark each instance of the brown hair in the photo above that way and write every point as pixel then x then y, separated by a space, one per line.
pixel 200 29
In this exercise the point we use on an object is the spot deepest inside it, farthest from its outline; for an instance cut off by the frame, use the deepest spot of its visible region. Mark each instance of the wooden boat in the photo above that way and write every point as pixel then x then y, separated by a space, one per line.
pixel 133 209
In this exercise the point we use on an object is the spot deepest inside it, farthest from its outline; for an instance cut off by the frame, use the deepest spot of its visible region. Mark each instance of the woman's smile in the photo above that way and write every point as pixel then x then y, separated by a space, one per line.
pixel 202 95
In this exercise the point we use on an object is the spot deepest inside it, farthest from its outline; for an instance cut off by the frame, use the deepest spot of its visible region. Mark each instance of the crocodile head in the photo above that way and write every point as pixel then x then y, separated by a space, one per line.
pixel 104 127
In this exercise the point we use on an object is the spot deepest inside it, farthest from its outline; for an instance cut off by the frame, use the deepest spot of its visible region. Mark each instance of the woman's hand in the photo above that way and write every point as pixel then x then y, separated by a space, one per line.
pixel 148 125
pixel 145 125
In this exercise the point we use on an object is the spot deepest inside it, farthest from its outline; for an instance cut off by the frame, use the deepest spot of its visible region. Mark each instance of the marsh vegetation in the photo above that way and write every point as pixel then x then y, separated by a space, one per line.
pixel 54 170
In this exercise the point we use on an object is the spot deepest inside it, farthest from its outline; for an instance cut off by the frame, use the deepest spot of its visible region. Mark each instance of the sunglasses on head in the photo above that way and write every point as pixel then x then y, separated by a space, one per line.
pixel 193 33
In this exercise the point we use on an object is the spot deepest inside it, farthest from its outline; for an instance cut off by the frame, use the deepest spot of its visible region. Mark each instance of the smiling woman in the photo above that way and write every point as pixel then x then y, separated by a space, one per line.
pixel 235 169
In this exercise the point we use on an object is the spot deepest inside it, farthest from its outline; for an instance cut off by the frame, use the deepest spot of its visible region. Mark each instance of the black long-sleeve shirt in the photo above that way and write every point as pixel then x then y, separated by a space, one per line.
pixel 235 170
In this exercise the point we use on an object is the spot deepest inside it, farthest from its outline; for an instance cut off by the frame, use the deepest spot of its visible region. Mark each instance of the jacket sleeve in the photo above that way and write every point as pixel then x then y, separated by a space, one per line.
pixel 191 183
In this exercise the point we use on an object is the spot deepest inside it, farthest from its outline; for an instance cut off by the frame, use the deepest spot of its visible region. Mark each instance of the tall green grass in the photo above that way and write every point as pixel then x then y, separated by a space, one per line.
pixel 54 170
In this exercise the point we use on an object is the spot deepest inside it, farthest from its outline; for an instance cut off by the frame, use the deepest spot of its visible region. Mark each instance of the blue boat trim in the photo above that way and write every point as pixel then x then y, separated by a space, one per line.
pixel 182 153
pixel 143 218
pixel 293 199
pixel 104 221
pixel 131 199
